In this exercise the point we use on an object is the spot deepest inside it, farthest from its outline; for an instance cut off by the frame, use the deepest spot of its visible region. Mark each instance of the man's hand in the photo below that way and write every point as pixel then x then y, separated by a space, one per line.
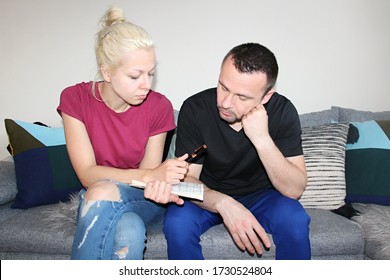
pixel 255 124
pixel 246 231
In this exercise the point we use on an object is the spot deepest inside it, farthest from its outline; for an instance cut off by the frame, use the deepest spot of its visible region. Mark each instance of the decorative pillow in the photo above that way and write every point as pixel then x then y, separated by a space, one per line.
pixel 324 152
pixel 44 174
pixel 367 166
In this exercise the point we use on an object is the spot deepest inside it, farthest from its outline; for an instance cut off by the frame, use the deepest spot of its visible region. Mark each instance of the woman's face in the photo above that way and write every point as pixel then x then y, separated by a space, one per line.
pixel 132 80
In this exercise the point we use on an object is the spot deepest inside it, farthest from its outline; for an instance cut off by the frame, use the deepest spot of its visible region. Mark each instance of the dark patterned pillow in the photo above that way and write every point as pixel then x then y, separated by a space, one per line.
pixel 324 151
pixel 367 164
pixel 44 174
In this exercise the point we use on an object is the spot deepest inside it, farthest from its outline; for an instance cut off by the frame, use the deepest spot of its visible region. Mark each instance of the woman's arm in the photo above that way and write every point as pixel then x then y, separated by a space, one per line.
pixel 83 159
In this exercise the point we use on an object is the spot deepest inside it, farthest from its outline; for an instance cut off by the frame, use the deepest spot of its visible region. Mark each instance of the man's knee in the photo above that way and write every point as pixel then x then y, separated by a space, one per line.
pixel 171 223
pixel 178 226
pixel 295 225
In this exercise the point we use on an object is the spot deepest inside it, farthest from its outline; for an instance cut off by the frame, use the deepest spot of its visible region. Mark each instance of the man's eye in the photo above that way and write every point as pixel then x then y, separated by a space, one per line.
pixel 242 98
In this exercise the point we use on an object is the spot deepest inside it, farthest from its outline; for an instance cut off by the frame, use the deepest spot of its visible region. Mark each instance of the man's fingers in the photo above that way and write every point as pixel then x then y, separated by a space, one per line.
pixel 252 240
pixel 243 242
pixel 263 236
pixel 255 244
pixel 238 241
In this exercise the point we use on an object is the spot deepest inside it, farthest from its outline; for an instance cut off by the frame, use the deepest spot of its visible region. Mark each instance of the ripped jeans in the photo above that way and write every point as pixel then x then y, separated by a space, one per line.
pixel 115 229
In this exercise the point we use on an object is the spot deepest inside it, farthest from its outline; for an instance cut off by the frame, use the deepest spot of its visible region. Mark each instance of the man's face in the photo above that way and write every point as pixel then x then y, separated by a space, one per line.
pixel 238 93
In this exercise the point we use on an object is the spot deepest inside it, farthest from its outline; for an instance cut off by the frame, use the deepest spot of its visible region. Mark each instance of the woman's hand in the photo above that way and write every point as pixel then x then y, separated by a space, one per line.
pixel 172 170
pixel 161 192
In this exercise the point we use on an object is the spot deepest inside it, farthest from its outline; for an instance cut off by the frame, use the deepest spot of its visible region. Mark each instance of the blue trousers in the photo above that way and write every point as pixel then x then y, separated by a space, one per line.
pixel 283 217
pixel 114 230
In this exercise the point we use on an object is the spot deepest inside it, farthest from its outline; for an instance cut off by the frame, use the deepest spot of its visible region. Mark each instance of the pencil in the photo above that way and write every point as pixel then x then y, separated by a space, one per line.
pixel 196 152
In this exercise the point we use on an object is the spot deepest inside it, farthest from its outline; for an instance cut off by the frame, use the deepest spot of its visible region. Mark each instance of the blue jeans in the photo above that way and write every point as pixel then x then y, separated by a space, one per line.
pixel 283 217
pixel 114 230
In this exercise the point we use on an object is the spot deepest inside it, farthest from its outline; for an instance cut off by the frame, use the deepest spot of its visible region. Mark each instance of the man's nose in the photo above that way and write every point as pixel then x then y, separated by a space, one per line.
pixel 227 100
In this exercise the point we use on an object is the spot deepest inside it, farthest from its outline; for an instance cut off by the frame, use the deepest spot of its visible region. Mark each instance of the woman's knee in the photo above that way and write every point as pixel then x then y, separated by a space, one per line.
pixel 103 190
pixel 131 227
pixel 130 237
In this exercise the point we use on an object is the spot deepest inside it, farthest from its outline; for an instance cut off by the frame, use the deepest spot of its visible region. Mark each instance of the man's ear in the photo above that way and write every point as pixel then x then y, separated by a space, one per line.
pixel 106 73
pixel 268 96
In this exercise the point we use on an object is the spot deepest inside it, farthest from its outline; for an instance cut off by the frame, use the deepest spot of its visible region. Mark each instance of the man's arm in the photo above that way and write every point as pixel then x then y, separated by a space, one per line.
pixel 287 174
pixel 242 225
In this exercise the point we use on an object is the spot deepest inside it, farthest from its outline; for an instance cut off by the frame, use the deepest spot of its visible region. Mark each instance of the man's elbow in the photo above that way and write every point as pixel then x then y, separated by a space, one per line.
pixel 297 191
pixel 300 189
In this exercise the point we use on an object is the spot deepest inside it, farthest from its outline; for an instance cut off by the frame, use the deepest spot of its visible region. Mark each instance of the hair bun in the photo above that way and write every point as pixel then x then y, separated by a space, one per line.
pixel 114 15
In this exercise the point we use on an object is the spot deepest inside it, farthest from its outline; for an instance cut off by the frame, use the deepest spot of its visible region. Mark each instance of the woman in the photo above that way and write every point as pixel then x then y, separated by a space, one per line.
pixel 115 132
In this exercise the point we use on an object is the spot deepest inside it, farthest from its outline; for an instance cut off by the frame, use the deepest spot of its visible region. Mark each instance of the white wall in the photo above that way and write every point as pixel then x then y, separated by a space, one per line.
pixel 330 52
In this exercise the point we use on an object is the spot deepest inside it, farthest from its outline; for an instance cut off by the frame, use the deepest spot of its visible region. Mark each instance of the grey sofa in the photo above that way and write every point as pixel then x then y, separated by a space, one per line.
pixel 45 232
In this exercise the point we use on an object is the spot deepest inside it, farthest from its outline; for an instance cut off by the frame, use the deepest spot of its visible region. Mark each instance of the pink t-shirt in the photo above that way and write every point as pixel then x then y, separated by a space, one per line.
pixel 118 139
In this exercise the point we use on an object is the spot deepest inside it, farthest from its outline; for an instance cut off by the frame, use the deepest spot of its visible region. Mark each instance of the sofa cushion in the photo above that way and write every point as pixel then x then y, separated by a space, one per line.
pixel 8 188
pixel 353 115
pixel 171 139
pixel 324 152
pixel 48 230
pixel 6 212
pixel 331 236
pixel 367 167
pixel 43 170
pixel 29 232
pixel 334 236
pixel 318 118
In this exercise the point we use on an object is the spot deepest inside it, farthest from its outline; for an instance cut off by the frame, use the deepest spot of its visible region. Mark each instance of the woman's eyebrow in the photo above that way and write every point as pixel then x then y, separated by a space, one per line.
pixel 143 71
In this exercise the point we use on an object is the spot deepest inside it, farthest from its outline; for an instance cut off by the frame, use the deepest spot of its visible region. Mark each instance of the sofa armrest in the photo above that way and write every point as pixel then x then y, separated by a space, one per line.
pixel 8 187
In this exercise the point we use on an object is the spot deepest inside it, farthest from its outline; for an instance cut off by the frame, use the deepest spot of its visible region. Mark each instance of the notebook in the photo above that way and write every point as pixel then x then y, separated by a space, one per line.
pixel 185 189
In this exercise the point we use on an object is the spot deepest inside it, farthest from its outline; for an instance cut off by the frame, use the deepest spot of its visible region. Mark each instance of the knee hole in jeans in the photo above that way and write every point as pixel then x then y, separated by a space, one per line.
pixel 103 190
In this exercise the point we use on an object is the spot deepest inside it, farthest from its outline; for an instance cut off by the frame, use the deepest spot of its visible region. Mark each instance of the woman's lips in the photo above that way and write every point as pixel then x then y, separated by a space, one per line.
pixel 141 97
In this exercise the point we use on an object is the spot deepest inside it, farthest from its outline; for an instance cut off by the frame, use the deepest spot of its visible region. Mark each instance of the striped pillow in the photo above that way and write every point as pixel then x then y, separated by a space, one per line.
pixel 324 152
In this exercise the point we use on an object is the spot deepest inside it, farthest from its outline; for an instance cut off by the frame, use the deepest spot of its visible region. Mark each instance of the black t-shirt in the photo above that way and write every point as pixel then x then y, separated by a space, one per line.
pixel 231 164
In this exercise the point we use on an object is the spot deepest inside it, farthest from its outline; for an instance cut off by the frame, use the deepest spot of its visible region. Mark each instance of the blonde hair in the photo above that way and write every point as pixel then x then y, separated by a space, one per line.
pixel 117 36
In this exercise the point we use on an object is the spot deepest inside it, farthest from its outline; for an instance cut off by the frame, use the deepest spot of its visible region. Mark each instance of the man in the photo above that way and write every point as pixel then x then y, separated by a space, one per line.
pixel 253 170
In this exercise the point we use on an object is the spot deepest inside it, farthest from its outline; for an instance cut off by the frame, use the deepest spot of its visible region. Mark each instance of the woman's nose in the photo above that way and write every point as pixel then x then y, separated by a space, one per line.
pixel 146 82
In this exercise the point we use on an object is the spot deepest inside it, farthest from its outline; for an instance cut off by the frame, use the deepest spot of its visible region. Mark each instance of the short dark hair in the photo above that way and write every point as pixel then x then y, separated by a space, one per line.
pixel 251 58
